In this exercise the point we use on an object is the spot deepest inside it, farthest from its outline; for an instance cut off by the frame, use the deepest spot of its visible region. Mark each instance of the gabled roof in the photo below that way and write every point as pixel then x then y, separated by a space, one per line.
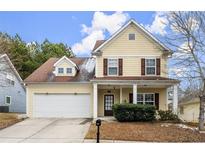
pixel 132 21
pixel 66 58
pixel 12 66
pixel 45 72
pixel 98 43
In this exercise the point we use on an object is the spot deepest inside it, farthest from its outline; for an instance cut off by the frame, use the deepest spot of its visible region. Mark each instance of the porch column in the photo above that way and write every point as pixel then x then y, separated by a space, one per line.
pixel 134 93
pixel 120 94
pixel 175 99
pixel 95 100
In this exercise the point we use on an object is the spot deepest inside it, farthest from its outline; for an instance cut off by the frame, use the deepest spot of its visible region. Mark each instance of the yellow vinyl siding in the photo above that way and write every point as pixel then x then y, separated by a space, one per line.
pixel 131 51
pixel 65 64
pixel 56 88
pixel 161 91
pixel 101 93
pixel 121 45
pixel 191 112
pixel 125 97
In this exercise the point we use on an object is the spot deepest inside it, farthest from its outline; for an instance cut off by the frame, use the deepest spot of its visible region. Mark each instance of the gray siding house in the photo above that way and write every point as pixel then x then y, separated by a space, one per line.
pixel 12 90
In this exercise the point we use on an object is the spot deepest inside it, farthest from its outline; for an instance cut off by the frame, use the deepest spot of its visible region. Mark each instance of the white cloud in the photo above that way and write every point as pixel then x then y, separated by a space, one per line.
pixel 87 43
pixel 158 25
pixel 100 24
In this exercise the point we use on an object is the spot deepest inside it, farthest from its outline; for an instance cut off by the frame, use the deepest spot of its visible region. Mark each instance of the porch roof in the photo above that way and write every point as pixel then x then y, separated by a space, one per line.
pixel 148 80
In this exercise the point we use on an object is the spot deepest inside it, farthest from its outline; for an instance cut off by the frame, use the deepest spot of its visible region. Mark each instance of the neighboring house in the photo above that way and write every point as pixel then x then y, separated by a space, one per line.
pixel 12 90
pixel 129 67
pixel 189 109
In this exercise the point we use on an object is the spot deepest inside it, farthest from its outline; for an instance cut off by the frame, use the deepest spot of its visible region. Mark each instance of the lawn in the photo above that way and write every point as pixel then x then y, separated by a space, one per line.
pixel 8 119
pixel 145 131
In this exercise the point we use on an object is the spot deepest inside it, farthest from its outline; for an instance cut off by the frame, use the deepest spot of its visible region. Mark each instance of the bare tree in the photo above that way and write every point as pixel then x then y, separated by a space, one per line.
pixel 186 36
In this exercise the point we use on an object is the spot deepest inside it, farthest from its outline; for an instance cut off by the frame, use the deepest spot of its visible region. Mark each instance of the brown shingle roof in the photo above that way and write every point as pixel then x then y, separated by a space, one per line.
pixel 98 43
pixel 135 78
pixel 44 72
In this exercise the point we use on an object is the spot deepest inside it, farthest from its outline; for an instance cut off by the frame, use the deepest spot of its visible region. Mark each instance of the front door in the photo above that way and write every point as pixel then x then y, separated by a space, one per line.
pixel 108 103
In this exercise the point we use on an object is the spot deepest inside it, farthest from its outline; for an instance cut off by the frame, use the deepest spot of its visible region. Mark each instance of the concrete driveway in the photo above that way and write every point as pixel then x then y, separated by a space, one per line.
pixel 44 130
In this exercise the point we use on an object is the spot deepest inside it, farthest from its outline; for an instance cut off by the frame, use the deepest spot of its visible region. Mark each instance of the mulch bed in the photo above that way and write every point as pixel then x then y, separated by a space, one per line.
pixel 8 119
pixel 145 131
pixel 4 124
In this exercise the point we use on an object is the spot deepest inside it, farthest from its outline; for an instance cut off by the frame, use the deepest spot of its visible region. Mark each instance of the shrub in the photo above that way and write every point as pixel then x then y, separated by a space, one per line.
pixel 167 116
pixel 134 112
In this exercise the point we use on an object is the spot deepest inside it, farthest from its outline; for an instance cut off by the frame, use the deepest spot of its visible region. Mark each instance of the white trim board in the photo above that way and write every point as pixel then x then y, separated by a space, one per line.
pixel 143 56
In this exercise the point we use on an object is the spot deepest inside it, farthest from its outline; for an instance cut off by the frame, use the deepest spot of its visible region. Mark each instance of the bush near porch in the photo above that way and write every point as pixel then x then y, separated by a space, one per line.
pixel 168 116
pixel 134 112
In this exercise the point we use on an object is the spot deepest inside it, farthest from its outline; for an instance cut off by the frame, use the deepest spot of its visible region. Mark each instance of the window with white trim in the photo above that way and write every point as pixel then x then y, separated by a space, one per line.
pixel 131 36
pixel 60 70
pixel 8 100
pixel 149 99
pixel 150 66
pixel 69 70
pixel 112 67
pixel 145 98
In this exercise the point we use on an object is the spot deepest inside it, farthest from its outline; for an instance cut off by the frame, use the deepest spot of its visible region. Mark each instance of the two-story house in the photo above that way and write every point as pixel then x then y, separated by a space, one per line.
pixel 12 89
pixel 129 67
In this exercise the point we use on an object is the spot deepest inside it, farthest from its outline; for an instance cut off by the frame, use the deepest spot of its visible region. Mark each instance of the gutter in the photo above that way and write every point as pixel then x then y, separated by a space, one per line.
pixel 136 81
pixel 57 82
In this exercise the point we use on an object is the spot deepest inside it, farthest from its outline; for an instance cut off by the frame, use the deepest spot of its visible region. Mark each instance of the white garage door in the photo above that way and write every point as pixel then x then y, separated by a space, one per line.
pixel 62 105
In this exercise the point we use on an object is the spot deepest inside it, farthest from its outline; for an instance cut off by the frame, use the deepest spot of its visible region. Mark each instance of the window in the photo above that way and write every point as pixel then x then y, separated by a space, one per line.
pixel 112 67
pixel 69 70
pixel 8 100
pixel 149 99
pixel 10 79
pixel 140 98
pixel 60 70
pixel 150 66
pixel 131 36
pixel 145 98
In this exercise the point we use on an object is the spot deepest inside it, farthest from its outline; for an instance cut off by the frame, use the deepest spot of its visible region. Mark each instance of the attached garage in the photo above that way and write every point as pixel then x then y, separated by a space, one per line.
pixel 68 105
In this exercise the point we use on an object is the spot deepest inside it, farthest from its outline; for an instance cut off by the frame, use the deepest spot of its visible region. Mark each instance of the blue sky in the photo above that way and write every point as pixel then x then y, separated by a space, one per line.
pixel 63 27
pixel 79 30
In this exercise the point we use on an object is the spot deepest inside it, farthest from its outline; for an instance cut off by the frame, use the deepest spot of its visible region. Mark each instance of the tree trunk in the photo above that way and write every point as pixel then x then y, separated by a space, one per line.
pixel 201 110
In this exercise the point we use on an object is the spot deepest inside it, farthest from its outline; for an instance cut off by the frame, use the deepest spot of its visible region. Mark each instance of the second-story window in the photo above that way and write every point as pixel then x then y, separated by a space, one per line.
pixel 112 67
pixel 69 70
pixel 60 70
pixel 150 66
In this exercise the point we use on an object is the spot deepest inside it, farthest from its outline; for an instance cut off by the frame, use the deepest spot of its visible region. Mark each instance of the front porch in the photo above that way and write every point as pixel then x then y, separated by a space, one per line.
pixel 154 93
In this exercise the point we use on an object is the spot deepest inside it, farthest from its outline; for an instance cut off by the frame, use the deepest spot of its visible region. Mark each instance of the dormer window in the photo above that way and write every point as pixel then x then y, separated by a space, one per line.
pixel 69 70
pixel 112 67
pixel 60 70
pixel 132 36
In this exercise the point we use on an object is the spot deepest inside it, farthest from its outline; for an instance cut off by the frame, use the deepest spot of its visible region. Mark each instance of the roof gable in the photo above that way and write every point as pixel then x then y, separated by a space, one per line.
pixel 101 43
pixel 45 72
pixel 67 59
pixel 12 67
